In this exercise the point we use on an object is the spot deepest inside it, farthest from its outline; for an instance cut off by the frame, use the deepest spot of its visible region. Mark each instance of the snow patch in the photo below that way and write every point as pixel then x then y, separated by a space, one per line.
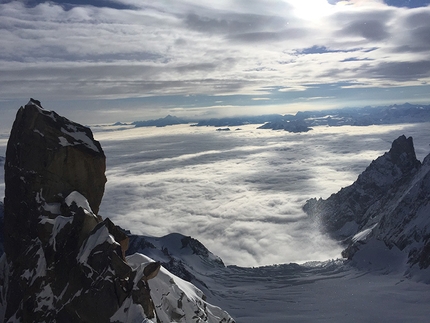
pixel 53 208
pixel 79 199
pixel 39 270
pixel 64 142
pixel 80 137
pixel 38 132
pixel 362 235
pixel 97 238
pixel 59 223
pixel 130 312
pixel 45 299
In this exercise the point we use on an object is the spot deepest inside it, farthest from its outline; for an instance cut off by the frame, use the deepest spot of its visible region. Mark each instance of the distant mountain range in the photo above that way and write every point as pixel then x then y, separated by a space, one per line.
pixel 304 121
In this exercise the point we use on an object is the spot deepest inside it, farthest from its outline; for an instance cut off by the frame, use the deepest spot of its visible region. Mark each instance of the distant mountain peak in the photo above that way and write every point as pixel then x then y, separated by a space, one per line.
pixel 402 150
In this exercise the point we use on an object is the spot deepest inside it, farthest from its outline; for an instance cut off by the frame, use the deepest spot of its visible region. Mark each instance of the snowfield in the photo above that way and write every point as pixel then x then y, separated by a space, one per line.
pixel 330 292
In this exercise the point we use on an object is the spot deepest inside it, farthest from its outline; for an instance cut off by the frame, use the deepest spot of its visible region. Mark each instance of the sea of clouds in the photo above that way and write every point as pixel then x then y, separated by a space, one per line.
pixel 239 192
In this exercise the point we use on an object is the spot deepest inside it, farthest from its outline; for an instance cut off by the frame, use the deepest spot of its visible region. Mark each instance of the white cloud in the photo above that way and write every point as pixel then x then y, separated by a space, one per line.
pixel 238 192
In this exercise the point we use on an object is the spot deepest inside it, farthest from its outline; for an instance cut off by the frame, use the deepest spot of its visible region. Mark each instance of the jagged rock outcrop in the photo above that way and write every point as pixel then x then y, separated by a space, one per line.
pixel 386 210
pixel 62 261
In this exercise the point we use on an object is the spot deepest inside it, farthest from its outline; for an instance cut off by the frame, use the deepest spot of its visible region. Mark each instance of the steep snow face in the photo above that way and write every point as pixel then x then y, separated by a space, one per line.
pixel 176 300
pixel 183 256
pixel 176 247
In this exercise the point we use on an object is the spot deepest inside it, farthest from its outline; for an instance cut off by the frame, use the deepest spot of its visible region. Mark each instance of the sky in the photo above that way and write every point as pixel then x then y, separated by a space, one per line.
pixel 126 60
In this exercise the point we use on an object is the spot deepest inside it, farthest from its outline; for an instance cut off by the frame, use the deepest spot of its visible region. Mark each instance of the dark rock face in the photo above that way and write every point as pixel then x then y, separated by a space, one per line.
pixel 386 208
pixel 56 154
pixel 63 263
pixel 47 158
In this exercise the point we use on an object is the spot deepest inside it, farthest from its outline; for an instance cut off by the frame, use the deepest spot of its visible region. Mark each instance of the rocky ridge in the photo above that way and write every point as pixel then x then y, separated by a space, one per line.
pixel 383 217
pixel 62 261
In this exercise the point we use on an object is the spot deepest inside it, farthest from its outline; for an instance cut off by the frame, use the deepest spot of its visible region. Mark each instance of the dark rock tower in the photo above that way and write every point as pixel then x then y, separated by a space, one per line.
pixel 63 262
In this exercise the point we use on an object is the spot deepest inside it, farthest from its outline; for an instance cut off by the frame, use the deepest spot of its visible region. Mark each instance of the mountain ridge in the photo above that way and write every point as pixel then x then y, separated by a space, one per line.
pixel 303 121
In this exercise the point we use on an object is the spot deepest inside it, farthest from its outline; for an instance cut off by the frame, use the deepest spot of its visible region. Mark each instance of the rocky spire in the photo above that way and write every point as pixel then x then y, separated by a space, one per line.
pixel 47 158
pixel 342 213
pixel 382 218
pixel 63 262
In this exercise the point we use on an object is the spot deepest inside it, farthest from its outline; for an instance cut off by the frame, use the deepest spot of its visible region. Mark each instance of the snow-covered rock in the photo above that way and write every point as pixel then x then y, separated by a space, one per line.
pixel 183 256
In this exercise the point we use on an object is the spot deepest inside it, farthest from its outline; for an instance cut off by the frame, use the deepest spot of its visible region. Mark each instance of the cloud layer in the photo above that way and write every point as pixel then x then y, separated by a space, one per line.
pixel 239 192
pixel 270 49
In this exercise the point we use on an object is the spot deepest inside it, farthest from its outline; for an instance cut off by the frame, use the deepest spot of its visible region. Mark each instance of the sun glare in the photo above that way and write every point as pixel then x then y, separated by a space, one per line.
pixel 312 9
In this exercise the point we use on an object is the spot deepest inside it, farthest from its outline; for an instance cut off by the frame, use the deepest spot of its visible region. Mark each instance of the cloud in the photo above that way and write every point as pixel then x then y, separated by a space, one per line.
pixel 400 71
pixel 238 192
pixel 372 30
pixel 132 49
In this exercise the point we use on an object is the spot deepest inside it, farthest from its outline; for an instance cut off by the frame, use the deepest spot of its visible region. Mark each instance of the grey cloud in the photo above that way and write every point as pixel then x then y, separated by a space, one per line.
pixel 276 36
pixel 418 19
pixel 246 27
pixel 197 67
pixel 416 35
pixel 399 71
pixel 325 50
pixel 234 23
pixel 180 42
pixel 86 80
pixel 373 30
pixel 68 4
